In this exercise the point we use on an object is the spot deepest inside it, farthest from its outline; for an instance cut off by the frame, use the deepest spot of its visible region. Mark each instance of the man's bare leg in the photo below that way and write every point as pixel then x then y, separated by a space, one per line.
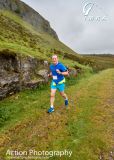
pixel 52 97
pixel 63 94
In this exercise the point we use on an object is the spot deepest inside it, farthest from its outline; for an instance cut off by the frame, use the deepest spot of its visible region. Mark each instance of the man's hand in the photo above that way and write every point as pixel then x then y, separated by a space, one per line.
pixel 50 74
pixel 58 71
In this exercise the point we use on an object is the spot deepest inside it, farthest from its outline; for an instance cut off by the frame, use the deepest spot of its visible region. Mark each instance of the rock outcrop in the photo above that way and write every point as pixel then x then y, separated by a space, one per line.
pixel 29 15
pixel 17 73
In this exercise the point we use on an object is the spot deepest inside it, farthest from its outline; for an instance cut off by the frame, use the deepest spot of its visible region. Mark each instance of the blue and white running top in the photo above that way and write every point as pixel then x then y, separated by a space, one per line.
pixel 57 77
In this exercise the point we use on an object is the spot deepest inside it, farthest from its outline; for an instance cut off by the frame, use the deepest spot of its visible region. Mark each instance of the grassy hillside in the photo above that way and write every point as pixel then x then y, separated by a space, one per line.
pixel 85 128
pixel 19 36
pixel 100 61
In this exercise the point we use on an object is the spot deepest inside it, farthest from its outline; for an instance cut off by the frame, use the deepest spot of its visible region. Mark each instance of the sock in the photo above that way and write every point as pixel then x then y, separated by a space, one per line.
pixel 52 107
pixel 66 98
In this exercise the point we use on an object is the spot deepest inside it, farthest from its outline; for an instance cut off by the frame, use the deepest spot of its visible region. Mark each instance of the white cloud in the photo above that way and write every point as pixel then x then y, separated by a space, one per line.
pixel 67 19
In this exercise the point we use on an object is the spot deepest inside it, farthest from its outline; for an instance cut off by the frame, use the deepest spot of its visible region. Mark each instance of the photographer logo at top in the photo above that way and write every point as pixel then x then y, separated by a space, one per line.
pixel 93 12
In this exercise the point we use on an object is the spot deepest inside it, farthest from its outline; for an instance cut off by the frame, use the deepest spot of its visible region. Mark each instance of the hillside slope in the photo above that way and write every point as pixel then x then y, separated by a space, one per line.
pixel 29 15
pixel 23 51
pixel 86 127
pixel 19 36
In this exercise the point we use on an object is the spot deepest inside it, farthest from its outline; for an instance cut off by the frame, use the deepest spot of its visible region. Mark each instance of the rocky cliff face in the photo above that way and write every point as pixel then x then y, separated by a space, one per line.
pixel 17 73
pixel 29 15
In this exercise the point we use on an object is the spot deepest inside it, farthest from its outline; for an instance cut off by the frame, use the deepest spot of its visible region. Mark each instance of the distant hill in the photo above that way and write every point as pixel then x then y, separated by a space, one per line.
pixel 99 55
pixel 100 61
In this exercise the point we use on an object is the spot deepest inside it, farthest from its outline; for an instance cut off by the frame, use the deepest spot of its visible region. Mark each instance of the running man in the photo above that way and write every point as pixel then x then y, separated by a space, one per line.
pixel 58 71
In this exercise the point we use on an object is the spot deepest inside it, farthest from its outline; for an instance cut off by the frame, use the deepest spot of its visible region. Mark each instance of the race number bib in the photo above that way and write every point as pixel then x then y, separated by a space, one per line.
pixel 54 77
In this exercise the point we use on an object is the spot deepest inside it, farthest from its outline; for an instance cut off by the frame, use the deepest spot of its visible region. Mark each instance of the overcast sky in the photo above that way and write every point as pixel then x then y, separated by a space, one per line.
pixel 85 26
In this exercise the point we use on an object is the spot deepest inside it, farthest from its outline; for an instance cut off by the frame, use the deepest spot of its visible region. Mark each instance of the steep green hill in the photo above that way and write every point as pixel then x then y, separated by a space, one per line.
pixel 19 36
pixel 29 15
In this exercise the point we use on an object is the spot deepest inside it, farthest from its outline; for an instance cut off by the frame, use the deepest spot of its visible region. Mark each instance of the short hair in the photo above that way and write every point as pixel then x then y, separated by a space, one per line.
pixel 54 56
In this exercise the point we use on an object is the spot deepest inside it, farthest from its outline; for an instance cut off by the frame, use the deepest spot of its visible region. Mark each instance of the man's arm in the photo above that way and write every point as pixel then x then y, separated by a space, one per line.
pixel 62 73
pixel 66 73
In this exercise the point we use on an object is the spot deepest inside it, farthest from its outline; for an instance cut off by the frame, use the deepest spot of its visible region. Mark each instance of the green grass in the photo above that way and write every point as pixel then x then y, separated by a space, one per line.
pixel 18 106
pixel 87 139
pixel 81 128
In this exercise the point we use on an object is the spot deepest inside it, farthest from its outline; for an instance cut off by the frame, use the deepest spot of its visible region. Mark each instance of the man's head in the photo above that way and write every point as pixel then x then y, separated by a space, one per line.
pixel 54 59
